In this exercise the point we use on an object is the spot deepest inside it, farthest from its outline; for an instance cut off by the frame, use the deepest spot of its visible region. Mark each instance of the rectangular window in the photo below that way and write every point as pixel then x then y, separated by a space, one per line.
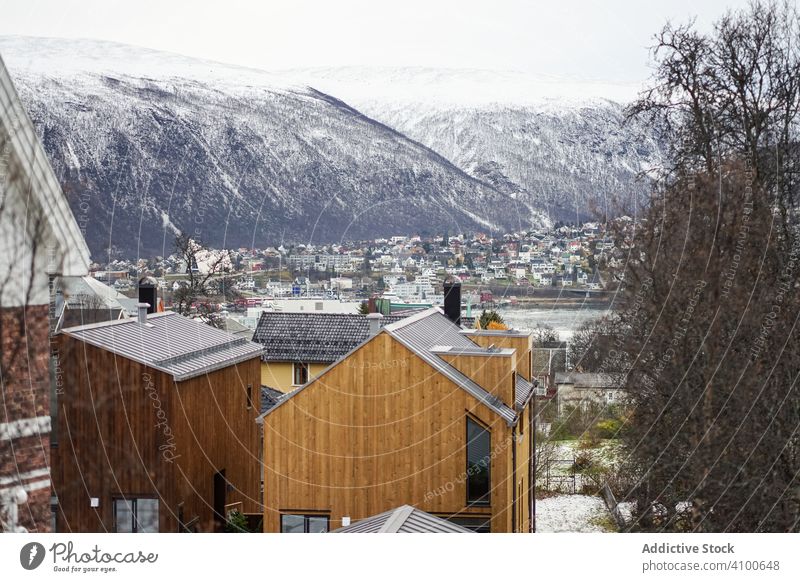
pixel 478 524
pixel 300 374
pixel 296 523
pixel 479 448
pixel 249 396
pixel 139 515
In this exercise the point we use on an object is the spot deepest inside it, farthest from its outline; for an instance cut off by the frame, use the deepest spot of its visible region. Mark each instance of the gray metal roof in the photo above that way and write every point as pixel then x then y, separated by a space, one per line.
pixel 523 391
pixel 233 327
pixel 431 328
pixel 169 342
pixel 312 337
pixel 404 519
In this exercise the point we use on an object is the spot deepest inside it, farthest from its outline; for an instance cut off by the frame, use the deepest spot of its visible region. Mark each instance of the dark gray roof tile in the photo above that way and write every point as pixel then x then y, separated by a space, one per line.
pixel 311 337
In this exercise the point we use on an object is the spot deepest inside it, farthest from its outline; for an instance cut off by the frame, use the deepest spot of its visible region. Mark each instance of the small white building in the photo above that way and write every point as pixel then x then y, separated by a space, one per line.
pixel 586 389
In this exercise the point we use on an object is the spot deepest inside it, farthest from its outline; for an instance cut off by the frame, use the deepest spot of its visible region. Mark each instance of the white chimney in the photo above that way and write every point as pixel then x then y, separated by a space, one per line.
pixel 142 307
pixel 374 320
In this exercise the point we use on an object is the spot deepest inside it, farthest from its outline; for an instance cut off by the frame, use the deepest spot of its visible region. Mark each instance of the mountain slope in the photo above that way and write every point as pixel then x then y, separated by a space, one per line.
pixel 147 143
pixel 563 145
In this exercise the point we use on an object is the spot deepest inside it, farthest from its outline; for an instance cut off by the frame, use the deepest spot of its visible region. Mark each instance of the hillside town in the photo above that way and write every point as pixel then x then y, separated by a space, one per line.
pixel 407 269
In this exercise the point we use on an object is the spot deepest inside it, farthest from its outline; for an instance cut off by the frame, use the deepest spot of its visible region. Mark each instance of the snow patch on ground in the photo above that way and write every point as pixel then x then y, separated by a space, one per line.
pixel 571 513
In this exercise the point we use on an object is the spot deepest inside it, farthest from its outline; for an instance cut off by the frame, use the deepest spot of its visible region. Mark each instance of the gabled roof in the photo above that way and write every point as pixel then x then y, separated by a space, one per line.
pixel 311 337
pixel 169 342
pixel 430 328
pixel 404 519
pixel 85 300
pixel 41 183
pixel 233 327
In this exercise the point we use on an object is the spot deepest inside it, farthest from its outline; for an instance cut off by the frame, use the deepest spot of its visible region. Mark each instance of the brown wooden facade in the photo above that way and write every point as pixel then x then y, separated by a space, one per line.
pixel 127 430
pixel 383 428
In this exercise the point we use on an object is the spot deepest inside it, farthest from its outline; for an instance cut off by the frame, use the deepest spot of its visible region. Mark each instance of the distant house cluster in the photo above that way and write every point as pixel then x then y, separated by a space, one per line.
pixel 408 269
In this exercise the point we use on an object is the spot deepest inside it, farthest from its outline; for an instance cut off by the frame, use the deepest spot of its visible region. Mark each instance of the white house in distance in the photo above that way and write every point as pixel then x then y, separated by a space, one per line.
pixel 39 240
pixel 586 389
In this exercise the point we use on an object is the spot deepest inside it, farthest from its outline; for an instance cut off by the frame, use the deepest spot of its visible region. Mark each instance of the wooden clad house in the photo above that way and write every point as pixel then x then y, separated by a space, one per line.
pixel 299 346
pixel 156 426
pixel 421 413
pixel 39 240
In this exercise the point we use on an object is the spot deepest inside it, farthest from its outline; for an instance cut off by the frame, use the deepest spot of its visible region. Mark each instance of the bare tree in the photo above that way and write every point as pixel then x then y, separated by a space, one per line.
pixel 713 368
pixel 732 93
pixel 591 347
pixel 203 271
pixel 713 271
pixel 544 334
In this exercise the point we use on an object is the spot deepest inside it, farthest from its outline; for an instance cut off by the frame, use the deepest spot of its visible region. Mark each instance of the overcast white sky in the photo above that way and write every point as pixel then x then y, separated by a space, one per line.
pixel 590 39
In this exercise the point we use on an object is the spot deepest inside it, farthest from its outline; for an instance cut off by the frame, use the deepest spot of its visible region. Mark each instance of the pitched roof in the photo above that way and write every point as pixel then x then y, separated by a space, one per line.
pixel 430 328
pixel 86 300
pixel 233 327
pixel 311 337
pixel 41 182
pixel 404 519
pixel 169 342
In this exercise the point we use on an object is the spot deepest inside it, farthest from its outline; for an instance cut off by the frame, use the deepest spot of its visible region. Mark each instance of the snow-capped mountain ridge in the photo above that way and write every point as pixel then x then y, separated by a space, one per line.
pixel 159 142
pixel 448 87
pixel 67 58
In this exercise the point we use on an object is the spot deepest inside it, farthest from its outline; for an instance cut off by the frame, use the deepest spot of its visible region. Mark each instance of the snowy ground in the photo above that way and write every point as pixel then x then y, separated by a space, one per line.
pixel 572 513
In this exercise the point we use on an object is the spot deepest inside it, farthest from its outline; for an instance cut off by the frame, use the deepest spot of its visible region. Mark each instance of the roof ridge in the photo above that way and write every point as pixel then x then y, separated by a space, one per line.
pixel 109 323
pixel 412 319
pixel 97 325
pixel 201 352
pixel 397 519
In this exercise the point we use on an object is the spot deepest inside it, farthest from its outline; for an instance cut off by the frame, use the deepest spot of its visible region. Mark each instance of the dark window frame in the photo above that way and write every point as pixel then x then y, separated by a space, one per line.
pixel 132 501
pixel 482 499
pixel 249 396
pixel 304 375
pixel 306 520
pixel 477 523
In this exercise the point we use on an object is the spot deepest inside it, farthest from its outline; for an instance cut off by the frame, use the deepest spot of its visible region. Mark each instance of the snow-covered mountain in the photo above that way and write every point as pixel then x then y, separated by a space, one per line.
pixel 561 144
pixel 147 143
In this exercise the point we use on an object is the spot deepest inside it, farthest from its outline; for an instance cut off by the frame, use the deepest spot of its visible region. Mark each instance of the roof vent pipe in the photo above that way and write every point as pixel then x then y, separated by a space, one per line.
pixel 142 308
pixel 374 320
